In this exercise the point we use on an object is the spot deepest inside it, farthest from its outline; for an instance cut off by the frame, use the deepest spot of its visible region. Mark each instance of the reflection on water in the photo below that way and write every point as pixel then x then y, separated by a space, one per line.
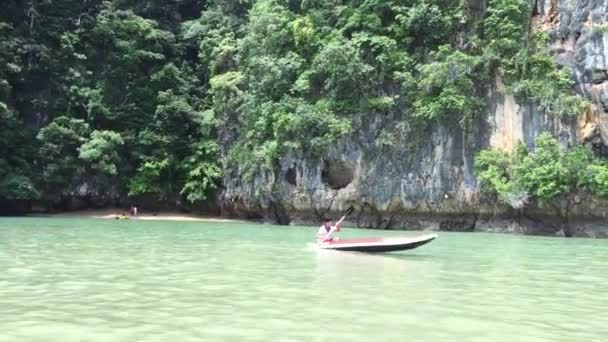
pixel 98 280
pixel 336 264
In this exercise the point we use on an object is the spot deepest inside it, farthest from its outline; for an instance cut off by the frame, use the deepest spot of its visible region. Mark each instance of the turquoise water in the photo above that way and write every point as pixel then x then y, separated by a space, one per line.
pixel 106 280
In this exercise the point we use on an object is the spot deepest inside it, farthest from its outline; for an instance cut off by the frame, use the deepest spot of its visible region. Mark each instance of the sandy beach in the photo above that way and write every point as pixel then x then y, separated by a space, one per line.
pixel 159 216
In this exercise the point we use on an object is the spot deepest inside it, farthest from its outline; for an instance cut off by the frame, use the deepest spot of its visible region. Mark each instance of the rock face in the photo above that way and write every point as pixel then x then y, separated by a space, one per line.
pixel 579 32
pixel 431 184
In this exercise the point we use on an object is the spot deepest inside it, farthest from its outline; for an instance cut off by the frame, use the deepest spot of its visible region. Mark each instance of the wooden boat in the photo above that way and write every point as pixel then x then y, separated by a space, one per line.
pixel 378 245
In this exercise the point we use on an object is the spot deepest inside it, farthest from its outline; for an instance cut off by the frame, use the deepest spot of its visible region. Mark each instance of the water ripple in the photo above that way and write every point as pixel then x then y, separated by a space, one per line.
pixel 97 280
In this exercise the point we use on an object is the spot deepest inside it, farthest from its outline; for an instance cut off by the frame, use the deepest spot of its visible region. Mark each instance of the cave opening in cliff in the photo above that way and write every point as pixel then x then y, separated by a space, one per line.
pixel 291 176
pixel 337 174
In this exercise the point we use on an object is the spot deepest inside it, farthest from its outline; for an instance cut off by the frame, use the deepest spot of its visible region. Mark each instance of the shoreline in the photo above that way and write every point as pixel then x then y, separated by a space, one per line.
pixel 489 224
pixel 119 213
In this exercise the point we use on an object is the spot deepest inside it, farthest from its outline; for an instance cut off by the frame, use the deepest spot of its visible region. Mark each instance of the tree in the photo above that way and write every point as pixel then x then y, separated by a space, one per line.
pixel 58 153
pixel 447 87
pixel 548 174
pixel 100 152
pixel 202 171
pixel 505 31
pixel 16 174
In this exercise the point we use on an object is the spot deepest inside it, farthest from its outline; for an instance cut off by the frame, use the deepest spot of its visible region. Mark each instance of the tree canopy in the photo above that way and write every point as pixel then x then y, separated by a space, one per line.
pixel 162 98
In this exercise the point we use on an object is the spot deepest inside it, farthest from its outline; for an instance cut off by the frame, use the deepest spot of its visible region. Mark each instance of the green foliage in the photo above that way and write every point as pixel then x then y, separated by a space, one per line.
pixel 227 94
pixel 381 104
pixel 58 152
pixel 290 125
pixel 447 86
pixel 539 79
pixel 543 172
pixel 381 53
pixel 202 172
pixel 494 172
pixel 505 31
pixel 149 178
pixel 599 178
pixel 16 174
pixel 339 72
pixel 100 151
pixel 425 23
pixel 164 98
pixel 130 89
pixel 304 32
pixel 309 128
pixel 17 187
pixel 525 61
pixel 547 174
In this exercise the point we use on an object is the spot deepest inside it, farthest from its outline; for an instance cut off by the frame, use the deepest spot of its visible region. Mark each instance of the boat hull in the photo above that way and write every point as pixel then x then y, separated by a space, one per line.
pixel 378 245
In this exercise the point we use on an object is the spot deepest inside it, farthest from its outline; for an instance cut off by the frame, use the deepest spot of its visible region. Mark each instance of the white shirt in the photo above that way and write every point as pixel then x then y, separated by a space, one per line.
pixel 322 233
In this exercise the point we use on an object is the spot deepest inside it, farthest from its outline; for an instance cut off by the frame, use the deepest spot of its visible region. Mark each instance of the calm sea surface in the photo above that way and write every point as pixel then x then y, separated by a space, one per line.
pixel 108 280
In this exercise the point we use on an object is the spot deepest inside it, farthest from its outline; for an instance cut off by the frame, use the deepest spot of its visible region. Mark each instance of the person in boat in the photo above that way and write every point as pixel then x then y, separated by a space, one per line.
pixel 326 231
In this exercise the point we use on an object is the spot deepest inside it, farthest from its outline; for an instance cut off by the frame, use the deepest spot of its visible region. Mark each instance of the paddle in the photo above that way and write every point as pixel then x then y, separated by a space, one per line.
pixel 348 211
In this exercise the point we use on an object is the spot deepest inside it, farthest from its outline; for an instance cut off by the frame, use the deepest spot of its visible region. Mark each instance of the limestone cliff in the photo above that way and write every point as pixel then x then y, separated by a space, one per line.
pixel 430 184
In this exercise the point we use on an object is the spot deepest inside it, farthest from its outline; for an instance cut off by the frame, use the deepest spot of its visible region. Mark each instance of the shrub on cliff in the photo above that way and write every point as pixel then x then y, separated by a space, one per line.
pixel 510 48
pixel 546 174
